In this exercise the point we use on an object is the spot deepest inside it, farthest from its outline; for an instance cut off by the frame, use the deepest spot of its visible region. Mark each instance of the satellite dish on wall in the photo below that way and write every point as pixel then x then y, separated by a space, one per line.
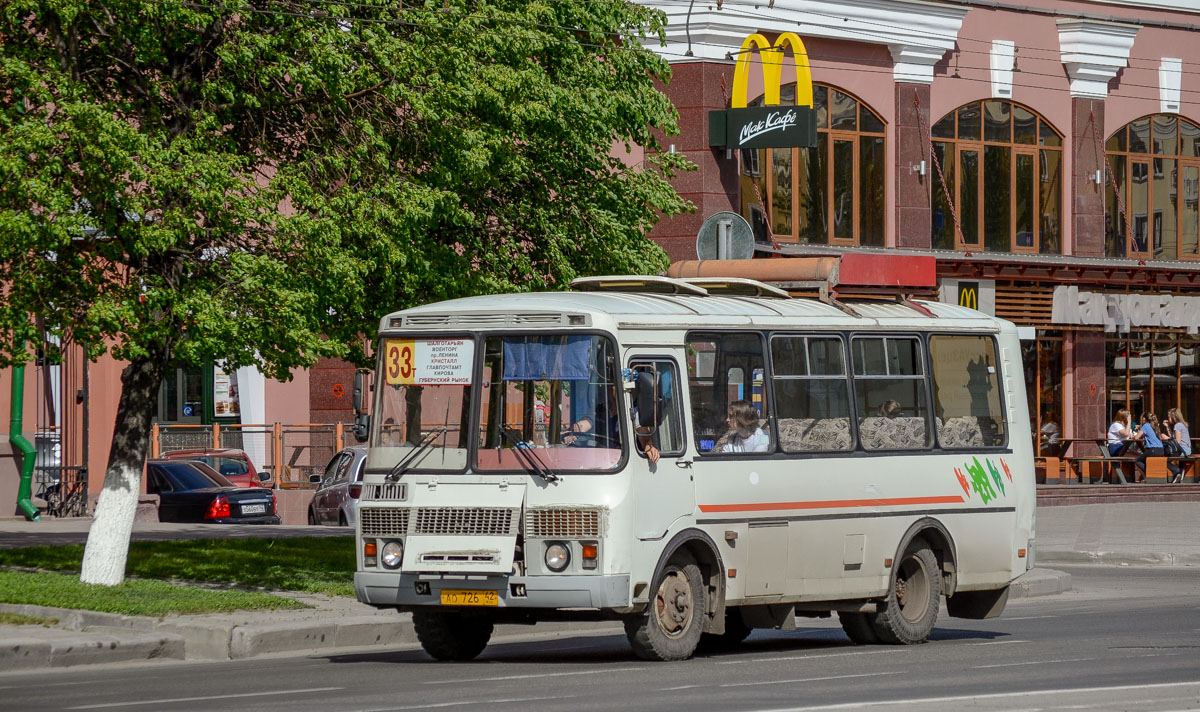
pixel 725 236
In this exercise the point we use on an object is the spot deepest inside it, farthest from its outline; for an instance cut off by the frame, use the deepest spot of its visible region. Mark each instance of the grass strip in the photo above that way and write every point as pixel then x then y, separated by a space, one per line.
pixel 18 619
pixel 314 564
pixel 134 597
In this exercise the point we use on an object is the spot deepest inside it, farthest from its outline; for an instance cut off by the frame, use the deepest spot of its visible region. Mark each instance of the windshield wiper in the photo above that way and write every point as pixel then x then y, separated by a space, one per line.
pixel 529 457
pixel 425 443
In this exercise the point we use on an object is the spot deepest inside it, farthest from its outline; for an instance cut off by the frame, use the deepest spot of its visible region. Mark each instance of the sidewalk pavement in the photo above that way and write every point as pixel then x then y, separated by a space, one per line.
pixel 1129 533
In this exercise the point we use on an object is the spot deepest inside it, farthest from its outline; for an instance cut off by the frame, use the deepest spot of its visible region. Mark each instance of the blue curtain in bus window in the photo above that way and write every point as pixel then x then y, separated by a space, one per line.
pixel 547 358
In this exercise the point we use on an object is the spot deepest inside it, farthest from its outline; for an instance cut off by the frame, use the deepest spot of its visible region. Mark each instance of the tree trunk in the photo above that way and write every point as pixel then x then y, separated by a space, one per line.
pixel 107 546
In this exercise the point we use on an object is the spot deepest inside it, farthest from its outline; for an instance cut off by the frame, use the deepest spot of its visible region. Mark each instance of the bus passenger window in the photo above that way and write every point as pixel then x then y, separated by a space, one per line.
pixel 724 368
pixel 668 433
pixel 966 391
pixel 812 392
pixel 889 392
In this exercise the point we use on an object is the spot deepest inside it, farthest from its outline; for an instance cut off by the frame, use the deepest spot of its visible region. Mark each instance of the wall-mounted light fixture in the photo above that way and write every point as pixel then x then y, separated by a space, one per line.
pixel 1097 177
pixel 918 168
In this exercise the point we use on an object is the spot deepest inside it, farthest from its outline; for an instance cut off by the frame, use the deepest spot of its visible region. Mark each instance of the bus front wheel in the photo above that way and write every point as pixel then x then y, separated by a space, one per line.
pixel 911 608
pixel 672 624
pixel 452 636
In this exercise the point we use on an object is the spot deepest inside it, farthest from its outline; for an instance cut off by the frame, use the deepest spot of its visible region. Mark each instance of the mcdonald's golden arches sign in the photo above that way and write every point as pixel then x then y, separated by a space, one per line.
pixel 770 125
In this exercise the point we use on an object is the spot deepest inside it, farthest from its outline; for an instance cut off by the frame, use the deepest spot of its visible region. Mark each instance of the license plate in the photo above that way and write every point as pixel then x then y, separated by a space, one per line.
pixel 470 598
pixel 254 509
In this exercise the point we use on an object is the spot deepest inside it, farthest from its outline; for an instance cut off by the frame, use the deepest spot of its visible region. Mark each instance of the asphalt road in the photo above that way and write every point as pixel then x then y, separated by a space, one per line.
pixel 1126 639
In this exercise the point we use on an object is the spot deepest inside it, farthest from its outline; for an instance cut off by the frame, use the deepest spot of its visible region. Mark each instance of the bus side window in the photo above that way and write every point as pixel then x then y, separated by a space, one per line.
pixel 812 393
pixel 668 433
pixel 724 368
pixel 890 393
pixel 966 388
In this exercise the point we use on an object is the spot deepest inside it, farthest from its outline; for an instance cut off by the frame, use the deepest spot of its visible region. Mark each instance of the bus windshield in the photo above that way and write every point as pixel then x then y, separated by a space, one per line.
pixel 423 398
pixel 549 401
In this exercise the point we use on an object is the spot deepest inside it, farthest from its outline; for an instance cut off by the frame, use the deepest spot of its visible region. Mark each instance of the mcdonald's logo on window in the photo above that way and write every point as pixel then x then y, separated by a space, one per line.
pixel 770 125
pixel 968 295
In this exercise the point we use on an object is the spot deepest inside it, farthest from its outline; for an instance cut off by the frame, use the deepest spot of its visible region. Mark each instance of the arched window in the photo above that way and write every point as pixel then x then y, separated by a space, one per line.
pixel 1151 195
pixel 831 194
pixel 1002 168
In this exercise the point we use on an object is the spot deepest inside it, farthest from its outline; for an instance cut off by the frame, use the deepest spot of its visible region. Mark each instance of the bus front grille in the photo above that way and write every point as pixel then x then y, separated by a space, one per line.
pixel 383 522
pixel 564 522
pixel 465 521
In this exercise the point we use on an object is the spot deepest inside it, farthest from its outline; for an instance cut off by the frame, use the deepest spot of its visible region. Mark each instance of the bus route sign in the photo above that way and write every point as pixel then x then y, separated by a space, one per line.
pixel 428 362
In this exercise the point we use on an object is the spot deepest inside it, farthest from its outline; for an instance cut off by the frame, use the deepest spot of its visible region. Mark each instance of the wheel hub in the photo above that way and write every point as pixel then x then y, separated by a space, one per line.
pixel 673 604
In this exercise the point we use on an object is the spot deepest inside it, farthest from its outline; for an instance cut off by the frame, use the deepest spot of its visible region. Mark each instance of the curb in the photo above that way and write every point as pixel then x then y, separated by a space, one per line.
pixel 1118 558
pixel 90 637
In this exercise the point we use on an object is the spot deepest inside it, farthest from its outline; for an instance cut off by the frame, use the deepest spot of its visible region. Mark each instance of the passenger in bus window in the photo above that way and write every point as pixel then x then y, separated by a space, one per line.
pixel 745 435
pixel 890 409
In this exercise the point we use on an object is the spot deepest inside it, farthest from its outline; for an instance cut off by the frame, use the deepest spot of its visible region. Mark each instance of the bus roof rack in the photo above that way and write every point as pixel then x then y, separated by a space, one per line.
pixel 737 286
pixel 645 284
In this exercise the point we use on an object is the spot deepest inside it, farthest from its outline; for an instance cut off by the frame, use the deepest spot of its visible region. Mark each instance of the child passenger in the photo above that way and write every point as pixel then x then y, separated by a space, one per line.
pixel 745 433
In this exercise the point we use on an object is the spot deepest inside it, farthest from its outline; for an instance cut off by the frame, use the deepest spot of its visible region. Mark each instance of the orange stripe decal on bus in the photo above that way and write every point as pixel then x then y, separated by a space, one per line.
pixel 831 504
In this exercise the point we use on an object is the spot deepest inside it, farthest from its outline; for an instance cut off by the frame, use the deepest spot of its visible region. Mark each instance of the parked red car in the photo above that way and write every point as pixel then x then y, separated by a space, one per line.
pixel 233 464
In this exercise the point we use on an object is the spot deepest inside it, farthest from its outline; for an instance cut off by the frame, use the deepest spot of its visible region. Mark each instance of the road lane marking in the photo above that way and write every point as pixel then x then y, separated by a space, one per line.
pixel 460 703
pixel 999 642
pixel 806 679
pixel 809 656
pixel 993 696
pixel 525 677
pixel 170 700
pixel 1034 662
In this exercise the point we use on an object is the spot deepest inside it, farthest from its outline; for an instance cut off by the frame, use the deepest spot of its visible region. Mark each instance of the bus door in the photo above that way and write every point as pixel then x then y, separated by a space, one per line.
pixel 663 490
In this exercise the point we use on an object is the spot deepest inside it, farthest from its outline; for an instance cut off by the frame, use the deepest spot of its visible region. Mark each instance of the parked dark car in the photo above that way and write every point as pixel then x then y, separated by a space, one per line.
pixel 336 498
pixel 190 491
pixel 233 464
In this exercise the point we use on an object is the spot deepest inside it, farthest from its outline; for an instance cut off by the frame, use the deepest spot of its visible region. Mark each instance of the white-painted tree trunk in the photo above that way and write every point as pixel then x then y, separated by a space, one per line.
pixel 107 546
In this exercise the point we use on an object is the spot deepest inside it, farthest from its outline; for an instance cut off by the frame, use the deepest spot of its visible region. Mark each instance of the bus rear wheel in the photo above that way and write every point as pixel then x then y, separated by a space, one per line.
pixel 859 627
pixel 911 608
pixel 671 626
pixel 452 636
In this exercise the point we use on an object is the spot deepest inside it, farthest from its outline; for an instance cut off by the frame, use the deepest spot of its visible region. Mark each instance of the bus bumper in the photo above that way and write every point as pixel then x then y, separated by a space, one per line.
pixel 395 589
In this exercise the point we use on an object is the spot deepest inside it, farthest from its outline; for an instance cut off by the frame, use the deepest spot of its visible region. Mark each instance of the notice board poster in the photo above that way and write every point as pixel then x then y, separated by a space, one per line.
pixel 225 394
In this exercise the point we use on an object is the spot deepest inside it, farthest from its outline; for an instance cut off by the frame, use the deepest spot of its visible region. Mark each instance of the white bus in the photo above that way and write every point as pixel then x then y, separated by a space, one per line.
pixel 807 460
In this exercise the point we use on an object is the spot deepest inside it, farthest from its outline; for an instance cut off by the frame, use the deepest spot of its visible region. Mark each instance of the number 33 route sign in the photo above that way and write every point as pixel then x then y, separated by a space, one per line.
pixel 428 362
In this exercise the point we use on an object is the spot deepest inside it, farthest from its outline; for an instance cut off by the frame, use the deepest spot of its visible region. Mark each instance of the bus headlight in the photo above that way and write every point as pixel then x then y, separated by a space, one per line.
pixel 557 556
pixel 392 554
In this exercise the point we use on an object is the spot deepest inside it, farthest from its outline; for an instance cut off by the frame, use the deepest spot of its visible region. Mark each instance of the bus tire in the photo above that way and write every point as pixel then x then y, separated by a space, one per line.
pixel 671 626
pixel 859 627
pixel 911 608
pixel 452 636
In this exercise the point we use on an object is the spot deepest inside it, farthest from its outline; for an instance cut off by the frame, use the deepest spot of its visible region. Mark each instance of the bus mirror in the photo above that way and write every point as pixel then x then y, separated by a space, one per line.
pixel 358 397
pixel 362 426
pixel 647 411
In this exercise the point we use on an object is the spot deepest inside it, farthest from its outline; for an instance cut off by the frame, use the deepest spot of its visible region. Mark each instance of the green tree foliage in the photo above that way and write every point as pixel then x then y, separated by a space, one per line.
pixel 198 181
pixel 258 182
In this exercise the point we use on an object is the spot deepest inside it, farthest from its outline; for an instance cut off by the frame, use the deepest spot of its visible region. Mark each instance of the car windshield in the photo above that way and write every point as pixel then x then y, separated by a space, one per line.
pixel 191 475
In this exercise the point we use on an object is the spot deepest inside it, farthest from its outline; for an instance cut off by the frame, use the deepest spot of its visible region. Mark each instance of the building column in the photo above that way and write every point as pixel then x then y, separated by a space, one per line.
pixel 913 218
pixel 1093 52
pixel 695 89
pixel 1089 394
pixel 1087 195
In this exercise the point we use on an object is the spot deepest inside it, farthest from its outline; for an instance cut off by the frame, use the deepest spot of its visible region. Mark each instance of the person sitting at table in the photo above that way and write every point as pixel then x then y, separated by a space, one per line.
pixel 1121 433
pixel 1179 432
pixel 1151 447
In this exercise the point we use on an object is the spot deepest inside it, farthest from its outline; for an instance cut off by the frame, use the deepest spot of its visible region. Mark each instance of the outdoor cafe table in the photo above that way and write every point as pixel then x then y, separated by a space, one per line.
pixel 1076 459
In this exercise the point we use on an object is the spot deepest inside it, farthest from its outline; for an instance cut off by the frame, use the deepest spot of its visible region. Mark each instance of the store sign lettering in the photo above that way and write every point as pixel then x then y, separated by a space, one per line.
pixel 770 125
pixel 1124 312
